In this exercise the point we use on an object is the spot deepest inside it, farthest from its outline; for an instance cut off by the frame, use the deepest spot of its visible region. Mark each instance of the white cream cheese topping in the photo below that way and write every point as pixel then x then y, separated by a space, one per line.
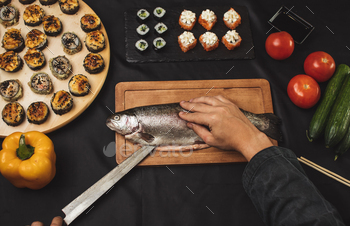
pixel 187 38
pixel 210 38
pixel 232 36
pixel 188 17
pixel 231 16
pixel 208 15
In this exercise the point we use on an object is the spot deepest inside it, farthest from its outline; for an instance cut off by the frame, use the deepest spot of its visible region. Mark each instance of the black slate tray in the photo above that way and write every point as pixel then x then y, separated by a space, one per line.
pixel 172 52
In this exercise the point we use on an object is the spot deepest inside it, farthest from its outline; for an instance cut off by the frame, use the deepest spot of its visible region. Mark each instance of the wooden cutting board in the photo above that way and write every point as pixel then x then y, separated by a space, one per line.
pixel 253 95
pixel 70 23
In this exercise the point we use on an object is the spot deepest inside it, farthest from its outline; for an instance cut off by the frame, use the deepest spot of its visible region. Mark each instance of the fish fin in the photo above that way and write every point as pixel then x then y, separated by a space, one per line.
pixel 273 129
pixel 147 137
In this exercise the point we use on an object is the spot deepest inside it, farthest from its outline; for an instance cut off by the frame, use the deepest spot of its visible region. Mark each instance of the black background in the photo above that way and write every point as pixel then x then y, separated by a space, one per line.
pixel 155 195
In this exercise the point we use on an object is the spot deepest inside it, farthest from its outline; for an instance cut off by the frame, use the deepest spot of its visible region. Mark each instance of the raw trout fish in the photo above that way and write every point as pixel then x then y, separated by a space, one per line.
pixel 161 126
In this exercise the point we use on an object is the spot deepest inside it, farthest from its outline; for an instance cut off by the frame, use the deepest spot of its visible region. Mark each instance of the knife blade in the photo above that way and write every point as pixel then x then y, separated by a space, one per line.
pixel 86 199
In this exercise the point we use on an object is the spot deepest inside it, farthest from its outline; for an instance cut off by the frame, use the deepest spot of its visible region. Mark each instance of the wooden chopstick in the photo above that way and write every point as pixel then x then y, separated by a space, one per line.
pixel 325 171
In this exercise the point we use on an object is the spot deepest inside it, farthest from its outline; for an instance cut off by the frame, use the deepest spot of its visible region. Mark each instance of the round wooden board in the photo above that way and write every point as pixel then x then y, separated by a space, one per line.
pixel 70 23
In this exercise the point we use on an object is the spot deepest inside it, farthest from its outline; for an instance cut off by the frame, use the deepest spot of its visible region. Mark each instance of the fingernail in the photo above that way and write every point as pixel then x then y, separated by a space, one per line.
pixel 190 125
pixel 181 102
pixel 181 113
pixel 190 100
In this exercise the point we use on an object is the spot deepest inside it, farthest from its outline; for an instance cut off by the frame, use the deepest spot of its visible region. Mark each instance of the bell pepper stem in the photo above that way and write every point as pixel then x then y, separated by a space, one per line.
pixel 24 151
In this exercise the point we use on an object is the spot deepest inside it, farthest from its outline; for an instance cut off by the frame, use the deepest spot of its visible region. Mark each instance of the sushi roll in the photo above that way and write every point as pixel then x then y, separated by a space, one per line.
pixel 71 43
pixel 61 102
pixel 95 41
pixel 35 59
pixel 158 43
pixel 79 85
pixel 187 19
pixel 40 83
pixel 142 30
pixel 93 63
pixel 13 40
pixel 231 40
pixel 10 61
pixel 60 67
pixel 36 39
pixel 4 2
pixel 141 45
pixel 90 22
pixel 52 25
pixel 69 6
pixel 37 112
pixel 9 16
pixel 47 2
pixel 33 15
pixel 207 19
pixel 232 19
pixel 26 2
pixel 187 41
pixel 160 28
pixel 11 90
pixel 142 15
pixel 209 41
pixel 159 13
pixel 13 114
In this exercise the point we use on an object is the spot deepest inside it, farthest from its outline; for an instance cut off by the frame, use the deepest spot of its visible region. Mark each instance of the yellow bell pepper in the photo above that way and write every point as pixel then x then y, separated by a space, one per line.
pixel 28 159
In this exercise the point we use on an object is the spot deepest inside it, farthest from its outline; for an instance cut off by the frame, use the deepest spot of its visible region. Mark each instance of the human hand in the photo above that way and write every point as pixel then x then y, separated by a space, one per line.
pixel 228 127
pixel 56 221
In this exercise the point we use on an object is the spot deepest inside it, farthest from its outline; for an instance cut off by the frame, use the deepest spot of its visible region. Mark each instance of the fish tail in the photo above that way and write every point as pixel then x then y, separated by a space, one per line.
pixel 273 130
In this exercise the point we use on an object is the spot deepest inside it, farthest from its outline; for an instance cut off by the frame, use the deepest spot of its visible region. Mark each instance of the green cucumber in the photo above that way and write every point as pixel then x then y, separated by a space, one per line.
pixel 343 146
pixel 339 119
pixel 319 120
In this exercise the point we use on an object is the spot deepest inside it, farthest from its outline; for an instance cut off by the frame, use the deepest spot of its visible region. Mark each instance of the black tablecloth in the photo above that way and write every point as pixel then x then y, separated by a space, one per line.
pixel 185 195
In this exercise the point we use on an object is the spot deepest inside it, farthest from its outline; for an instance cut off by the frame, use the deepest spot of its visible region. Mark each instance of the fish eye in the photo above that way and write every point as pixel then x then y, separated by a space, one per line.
pixel 116 117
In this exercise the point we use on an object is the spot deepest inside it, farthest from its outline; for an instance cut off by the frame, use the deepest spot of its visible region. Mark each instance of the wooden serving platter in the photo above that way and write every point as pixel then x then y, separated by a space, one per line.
pixel 253 95
pixel 70 23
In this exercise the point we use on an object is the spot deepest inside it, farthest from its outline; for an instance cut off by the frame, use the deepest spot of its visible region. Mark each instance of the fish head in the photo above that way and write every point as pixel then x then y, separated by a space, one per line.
pixel 123 123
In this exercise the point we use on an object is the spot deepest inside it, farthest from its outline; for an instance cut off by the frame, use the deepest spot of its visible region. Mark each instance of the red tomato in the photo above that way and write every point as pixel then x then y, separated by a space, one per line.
pixel 319 65
pixel 303 91
pixel 279 45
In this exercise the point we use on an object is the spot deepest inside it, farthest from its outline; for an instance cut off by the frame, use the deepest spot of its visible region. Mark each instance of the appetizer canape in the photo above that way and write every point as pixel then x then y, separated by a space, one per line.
pixel 13 114
pixel 209 41
pixel 231 40
pixel 232 19
pixel 187 19
pixel 13 40
pixel 37 112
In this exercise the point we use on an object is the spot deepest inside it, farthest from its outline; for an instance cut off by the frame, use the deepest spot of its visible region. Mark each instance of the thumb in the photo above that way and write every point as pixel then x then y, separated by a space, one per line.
pixel 202 132
pixel 56 221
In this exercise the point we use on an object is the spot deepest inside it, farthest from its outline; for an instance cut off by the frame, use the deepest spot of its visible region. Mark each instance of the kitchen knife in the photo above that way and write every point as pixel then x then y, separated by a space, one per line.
pixel 83 201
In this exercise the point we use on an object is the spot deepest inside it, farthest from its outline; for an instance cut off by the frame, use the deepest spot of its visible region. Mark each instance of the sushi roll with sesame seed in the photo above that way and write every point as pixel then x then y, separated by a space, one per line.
pixel 79 85
pixel 61 102
pixel 35 59
pixel 13 114
pixel 9 16
pixel 10 61
pixel 207 19
pixel 187 19
pixel 95 41
pixel 90 22
pixel 13 40
pixel 37 112
pixel 71 43
pixel 93 63
pixel 69 7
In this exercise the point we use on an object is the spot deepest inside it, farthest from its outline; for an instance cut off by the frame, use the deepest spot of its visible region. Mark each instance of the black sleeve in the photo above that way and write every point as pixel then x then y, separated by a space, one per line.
pixel 282 193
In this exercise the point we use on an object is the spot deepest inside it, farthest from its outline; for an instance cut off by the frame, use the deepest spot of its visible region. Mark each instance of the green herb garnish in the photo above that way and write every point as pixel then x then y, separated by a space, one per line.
pixel 159 43
pixel 161 28
pixel 159 11
pixel 143 13
pixel 143 28
pixel 142 45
